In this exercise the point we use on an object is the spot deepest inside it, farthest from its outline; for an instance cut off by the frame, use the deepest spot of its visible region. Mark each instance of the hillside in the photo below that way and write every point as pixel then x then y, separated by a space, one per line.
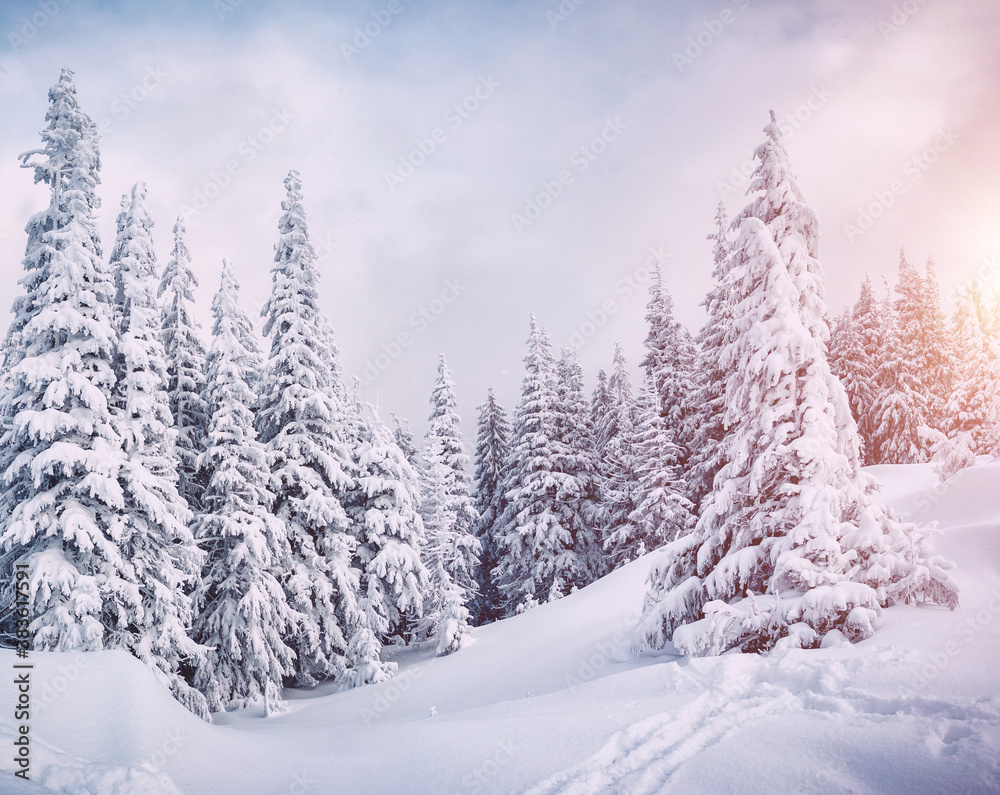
pixel 551 701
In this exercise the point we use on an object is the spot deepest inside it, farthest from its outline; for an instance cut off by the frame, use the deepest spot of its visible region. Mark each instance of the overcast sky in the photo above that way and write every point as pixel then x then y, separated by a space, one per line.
pixel 636 116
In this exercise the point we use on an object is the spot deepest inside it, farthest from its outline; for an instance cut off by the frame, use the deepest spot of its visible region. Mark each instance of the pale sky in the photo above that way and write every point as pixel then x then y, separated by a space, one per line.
pixel 637 116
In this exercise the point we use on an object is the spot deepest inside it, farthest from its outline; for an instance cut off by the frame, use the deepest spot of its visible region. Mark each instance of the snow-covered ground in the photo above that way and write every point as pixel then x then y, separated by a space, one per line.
pixel 551 701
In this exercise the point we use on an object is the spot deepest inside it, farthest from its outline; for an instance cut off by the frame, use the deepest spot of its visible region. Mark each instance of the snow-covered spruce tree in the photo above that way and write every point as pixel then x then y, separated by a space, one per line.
pixel 938 355
pixel 93 526
pixel 157 541
pixel 140 364
pixel 618 465
pixel 670 363
pixel 618 402
pixel 620 408
pixel 578 487
pixel 404 439
pixel 600 405
pixel 15 345
pixel 446 616
pixel 707 401
pixel 185 359
pixel 61 503
pixel 992 322
pixel 388 531
pixel 791 543
pixel 912 341
pixel 537 552
pixel 840 328
pixel 899 410
pixel 242 612
pixel 491 454
pixel 302 419
pixel 22 309
pixel 444 443
pixel 451 551
pixel 660 511
pixel 858 352
pixel 968 407
pixel 403 435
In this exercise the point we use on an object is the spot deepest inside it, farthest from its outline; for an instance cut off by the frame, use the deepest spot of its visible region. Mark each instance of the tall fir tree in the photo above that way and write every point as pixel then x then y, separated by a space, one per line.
pixel 708 398
pixel 492 440
pixel 302 421
pixel 791 543
pixel 185 360
pixel 659 509
pixel 452 548
pixel 968 407
pixel 242 611
pixel 160 545
pixel 60 516
pixel 578 488
pixel 618 464
pixel 840 330
pixel 857 365
pixel 937 349
pixel 446 615
pixel 669 364
pixel 107 557
pixel 899 410
pixel 404 439
pixel 383 509
pixel 619 402
pixel 600 405
pixel 538 553
pixel 913 359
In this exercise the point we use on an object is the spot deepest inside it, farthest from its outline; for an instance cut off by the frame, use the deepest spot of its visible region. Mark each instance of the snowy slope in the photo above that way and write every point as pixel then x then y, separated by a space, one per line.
pixel 551 702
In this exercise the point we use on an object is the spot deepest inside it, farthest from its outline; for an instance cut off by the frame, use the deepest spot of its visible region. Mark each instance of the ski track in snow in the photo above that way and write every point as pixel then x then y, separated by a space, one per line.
pixel 643 757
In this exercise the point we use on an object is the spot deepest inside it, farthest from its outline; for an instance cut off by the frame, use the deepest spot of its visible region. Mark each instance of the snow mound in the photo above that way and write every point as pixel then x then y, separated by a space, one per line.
pixel 100 722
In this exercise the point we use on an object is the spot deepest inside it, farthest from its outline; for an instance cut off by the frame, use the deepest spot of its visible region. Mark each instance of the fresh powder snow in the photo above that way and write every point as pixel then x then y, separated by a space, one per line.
pixel 551 701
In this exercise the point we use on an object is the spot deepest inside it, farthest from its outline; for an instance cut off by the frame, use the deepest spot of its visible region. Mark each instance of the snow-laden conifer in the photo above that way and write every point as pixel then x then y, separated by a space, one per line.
pixel 185 361
pixel 670 364
pixel 577 468
pixel 451 551
pixel 857 364
pixel 913 357
pixel 791 542
pixel 89 505
pixel 388 530
pixel 302 422
pixel 242 612
pixel 938 345
pixel 899 410
pixel 660 511
pixel 61 504
pixel 968 407
pixel 619 464
pixel 536 544
pixel 707 401
pixel 493 435
pixel 600 405
pixel 160 545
